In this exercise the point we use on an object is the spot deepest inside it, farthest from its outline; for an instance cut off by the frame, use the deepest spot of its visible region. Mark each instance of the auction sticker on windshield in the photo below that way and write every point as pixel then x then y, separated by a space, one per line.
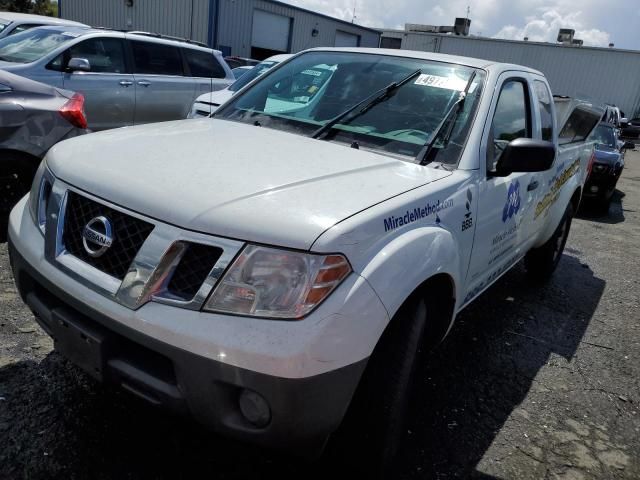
pixel 449 83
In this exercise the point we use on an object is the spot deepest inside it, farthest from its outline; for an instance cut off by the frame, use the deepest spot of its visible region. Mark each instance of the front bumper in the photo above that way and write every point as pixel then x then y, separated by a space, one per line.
pixel 602 184
pixel 137 353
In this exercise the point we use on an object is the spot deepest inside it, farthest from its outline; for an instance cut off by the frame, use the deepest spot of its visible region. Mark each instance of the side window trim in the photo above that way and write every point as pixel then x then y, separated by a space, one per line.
pixel 186 69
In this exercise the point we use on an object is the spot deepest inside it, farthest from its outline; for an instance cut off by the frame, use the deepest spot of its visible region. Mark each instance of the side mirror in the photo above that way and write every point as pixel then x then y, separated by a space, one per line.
pixel 78 65
pixel 526 155
pixel 629 145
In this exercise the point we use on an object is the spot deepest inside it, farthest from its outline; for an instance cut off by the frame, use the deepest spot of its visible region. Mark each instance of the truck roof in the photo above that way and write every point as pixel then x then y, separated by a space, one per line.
pixel 438 57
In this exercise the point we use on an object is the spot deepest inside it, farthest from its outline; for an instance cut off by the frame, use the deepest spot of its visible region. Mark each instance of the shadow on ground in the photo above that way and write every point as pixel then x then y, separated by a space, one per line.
pixel 57 423
pixel 592 211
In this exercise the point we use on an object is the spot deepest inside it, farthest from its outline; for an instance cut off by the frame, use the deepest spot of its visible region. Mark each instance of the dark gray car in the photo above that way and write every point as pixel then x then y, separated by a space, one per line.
pixel 33 118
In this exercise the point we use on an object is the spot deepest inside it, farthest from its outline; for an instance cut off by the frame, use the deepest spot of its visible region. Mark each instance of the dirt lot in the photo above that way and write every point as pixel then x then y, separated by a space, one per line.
pixel 531 384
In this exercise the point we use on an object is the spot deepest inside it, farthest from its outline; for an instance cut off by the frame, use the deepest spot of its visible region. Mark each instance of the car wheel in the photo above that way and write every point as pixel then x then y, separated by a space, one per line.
pixel 375 424
pixel 541 262
pixel 605 202
pixel 15 182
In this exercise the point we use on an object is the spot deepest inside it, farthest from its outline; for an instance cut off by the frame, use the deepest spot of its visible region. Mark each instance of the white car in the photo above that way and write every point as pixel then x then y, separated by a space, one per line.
pixel 12 23
pixel 240 71
pixel 208 103
pixel 265 270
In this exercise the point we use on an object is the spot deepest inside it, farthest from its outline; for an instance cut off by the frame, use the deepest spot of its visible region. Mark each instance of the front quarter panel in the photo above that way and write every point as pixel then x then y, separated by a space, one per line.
pixel 396 258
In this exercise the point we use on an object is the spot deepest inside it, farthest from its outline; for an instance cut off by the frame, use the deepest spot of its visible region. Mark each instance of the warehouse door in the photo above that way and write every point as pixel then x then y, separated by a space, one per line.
pixel 344 39
pixel 271 34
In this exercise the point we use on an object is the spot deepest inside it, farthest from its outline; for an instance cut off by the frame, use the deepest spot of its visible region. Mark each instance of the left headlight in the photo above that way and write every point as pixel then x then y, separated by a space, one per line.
pixel 39 195
pixel 274 283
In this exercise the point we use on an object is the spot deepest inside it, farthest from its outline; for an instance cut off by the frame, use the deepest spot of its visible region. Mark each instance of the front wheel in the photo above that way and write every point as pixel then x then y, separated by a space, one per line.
pixel 541 262
pixel 16 176
pixel 375 424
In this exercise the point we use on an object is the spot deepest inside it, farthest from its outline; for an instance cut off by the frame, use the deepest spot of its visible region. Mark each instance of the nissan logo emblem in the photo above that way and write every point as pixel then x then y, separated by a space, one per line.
pixel 97 236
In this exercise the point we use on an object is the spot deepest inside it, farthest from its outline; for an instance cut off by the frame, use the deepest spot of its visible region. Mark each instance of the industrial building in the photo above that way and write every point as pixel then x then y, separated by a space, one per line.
pixel 246 28
pixel 607 75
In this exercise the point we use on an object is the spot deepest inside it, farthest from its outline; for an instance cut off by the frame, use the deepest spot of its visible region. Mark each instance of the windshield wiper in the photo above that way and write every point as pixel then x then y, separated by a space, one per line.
pixel 366 104
pixel 449 121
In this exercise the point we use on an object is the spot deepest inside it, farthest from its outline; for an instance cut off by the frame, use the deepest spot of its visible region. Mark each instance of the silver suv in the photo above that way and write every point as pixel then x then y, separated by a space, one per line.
pixel 126 78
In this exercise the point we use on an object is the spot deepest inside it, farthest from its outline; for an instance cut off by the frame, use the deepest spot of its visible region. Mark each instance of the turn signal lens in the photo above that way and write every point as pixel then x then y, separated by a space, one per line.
pixel 39 195
pixel 274 283
pixel 73 111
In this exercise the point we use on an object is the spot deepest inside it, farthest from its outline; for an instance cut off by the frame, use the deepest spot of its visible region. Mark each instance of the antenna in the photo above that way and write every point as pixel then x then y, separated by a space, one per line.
pixel 468 11
pixel 355 3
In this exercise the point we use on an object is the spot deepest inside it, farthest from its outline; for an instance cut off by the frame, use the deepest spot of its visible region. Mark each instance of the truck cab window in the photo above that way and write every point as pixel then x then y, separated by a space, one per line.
pixel 544 107
pixel 510 121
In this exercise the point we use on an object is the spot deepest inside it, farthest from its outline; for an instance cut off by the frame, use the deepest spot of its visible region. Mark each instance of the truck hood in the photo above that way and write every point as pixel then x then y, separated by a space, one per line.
pixel 234 180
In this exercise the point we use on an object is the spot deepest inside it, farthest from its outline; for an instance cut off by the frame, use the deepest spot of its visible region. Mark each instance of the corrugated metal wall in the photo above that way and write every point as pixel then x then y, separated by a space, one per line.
pixel 184 18
pixel 236 17
pixel 606 75
pixel 190 19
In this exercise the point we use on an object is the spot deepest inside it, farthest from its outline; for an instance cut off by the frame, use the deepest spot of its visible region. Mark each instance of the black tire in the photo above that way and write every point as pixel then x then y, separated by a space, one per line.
pixel 15 182
pixel 605 202
pixel 374 428
pixel 541 262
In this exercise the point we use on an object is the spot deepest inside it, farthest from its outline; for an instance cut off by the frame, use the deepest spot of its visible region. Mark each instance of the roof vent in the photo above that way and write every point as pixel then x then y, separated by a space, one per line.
pixel 565 36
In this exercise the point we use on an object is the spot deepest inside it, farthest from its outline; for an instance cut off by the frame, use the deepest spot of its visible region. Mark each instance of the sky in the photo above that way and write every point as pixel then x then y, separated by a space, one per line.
pixel 596 22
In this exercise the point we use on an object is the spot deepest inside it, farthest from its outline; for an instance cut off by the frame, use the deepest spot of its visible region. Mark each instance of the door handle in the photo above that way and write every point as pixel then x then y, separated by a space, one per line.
pixel 532 186
pixel 144 83
pixel 125 83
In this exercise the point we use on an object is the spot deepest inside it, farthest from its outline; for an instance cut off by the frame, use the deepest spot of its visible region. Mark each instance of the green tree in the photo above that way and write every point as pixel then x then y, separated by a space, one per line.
pixel 42 7
pixel 39 7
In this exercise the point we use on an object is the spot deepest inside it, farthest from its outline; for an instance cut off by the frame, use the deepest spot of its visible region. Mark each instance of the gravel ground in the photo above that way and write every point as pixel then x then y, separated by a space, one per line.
pixel 532 383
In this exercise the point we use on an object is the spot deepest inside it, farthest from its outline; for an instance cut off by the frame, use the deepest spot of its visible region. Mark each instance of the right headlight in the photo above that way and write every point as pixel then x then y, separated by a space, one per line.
pixel 39 195
pixel 275 283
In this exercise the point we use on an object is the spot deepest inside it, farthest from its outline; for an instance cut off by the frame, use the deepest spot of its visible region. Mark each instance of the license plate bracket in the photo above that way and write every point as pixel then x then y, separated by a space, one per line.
pixel 81 344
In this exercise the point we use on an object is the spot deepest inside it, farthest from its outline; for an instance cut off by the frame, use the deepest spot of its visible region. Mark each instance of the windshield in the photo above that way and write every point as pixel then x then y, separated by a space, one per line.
pixel 603 135
pixel 315 87
pixel 248 76
pixel 32 45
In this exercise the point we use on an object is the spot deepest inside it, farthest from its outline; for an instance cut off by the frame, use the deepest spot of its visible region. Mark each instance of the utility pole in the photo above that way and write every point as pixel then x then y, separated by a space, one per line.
pixel 353 18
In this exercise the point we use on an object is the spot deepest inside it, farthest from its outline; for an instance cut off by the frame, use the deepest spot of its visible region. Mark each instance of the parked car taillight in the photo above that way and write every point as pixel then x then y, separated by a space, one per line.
pixel 590 164
pixel 73 111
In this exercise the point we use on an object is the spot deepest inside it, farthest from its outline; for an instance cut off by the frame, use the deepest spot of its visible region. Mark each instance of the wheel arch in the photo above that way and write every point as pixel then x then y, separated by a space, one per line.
pixel 9 154
pixel 439 295
pixel 576 198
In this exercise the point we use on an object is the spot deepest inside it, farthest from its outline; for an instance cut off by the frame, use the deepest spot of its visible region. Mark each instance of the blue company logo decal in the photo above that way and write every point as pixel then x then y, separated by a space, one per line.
pixel 513 201
pixel 416 214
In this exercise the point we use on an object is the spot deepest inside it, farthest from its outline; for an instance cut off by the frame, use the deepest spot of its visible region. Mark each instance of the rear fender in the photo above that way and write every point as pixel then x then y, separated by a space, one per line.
pixel 34 127
pixel 568 178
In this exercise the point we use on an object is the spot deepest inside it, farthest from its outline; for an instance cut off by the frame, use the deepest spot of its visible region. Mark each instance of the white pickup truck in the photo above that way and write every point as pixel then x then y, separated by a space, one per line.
pixel 266 270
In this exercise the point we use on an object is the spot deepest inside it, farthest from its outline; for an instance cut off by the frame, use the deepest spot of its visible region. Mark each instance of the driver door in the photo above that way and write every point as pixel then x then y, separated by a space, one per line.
pixel 506 204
